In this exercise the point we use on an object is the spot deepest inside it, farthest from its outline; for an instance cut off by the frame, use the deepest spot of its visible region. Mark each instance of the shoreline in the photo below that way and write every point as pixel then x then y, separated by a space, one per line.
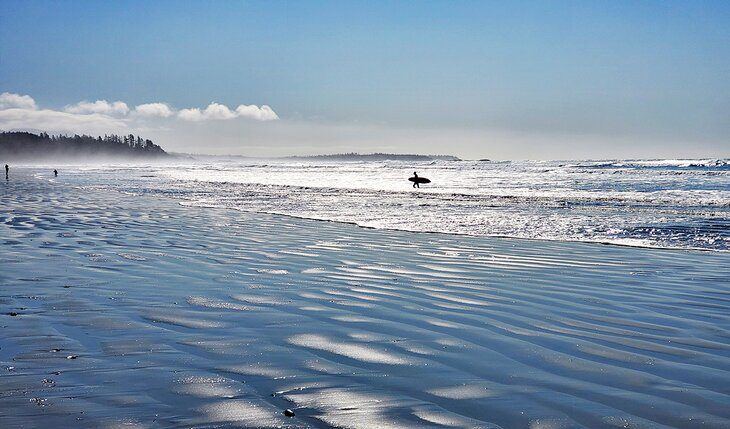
pixel 184 316
pixel 457 234
pixel 703 230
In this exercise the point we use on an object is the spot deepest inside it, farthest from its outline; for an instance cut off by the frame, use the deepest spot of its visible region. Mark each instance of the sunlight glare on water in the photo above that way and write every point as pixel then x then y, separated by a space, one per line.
pixel 658 203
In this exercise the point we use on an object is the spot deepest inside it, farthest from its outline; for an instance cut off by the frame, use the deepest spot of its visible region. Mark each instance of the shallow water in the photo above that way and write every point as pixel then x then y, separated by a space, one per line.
pixel 677 204
pixel 133 311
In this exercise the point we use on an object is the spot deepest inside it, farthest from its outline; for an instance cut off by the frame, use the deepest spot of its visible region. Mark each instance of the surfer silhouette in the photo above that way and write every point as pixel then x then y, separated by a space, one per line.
pixel 418 180
pixel 6 170
pixel 55 173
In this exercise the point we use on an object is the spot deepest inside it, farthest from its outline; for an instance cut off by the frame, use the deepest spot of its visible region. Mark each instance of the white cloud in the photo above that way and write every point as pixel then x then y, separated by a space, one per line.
pixel 59 122
pixel 214 111
pixel 263 113
pixel 99 106
pixel 217 111
pixel 160 110
pixel 19 112
pixel 193 114
pixel 16 101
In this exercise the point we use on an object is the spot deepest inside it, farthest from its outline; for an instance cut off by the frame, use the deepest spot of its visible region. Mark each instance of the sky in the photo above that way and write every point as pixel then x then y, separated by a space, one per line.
pixel 476 79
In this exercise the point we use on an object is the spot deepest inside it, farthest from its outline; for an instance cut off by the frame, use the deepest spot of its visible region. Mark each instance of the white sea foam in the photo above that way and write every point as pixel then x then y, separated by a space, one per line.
pixel 647 203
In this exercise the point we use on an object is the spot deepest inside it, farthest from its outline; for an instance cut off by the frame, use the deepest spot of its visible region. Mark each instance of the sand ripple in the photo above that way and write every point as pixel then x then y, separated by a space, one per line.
pixel 199 317
pixel 351 350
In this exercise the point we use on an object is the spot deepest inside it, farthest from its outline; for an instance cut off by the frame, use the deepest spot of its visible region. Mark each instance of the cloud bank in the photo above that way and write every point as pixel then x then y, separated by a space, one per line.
pixel 21 112
pixel 54 121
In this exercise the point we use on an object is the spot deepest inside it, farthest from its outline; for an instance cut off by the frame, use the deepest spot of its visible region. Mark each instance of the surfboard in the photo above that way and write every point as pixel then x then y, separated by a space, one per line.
pixel 419 180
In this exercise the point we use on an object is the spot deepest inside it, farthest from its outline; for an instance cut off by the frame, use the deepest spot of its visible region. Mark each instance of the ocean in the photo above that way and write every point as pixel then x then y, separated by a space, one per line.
pixel 674 204
pixel 127 302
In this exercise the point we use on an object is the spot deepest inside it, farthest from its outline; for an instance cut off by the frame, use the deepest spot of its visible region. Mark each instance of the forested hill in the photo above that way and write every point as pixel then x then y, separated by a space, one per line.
pixel 24 146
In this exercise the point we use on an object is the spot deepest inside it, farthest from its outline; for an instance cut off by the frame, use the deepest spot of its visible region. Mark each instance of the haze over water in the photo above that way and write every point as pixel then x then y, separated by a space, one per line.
pixel 676 204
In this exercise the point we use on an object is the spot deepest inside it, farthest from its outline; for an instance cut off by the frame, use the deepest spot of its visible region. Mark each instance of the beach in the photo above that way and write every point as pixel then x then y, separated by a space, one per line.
pixel 129 310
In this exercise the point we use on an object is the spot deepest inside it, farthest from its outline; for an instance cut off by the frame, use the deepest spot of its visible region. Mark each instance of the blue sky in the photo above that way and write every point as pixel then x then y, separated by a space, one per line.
pixel 633 75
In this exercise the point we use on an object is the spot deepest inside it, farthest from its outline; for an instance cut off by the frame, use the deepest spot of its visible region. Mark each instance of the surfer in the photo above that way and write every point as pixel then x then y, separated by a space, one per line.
pixel 6 170
pixel 418 180
pixel 55 173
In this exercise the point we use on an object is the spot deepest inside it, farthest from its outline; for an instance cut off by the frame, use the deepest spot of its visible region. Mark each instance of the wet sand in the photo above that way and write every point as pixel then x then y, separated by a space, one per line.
pixel 134 311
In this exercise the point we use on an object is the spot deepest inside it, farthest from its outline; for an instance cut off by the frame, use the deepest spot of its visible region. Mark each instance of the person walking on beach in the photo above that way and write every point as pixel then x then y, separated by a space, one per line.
pixel 418 180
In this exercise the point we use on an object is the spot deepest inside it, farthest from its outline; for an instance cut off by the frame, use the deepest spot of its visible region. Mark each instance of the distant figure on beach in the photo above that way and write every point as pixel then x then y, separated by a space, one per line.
pixel 6 170
pixel 55 173
pixel 418 180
